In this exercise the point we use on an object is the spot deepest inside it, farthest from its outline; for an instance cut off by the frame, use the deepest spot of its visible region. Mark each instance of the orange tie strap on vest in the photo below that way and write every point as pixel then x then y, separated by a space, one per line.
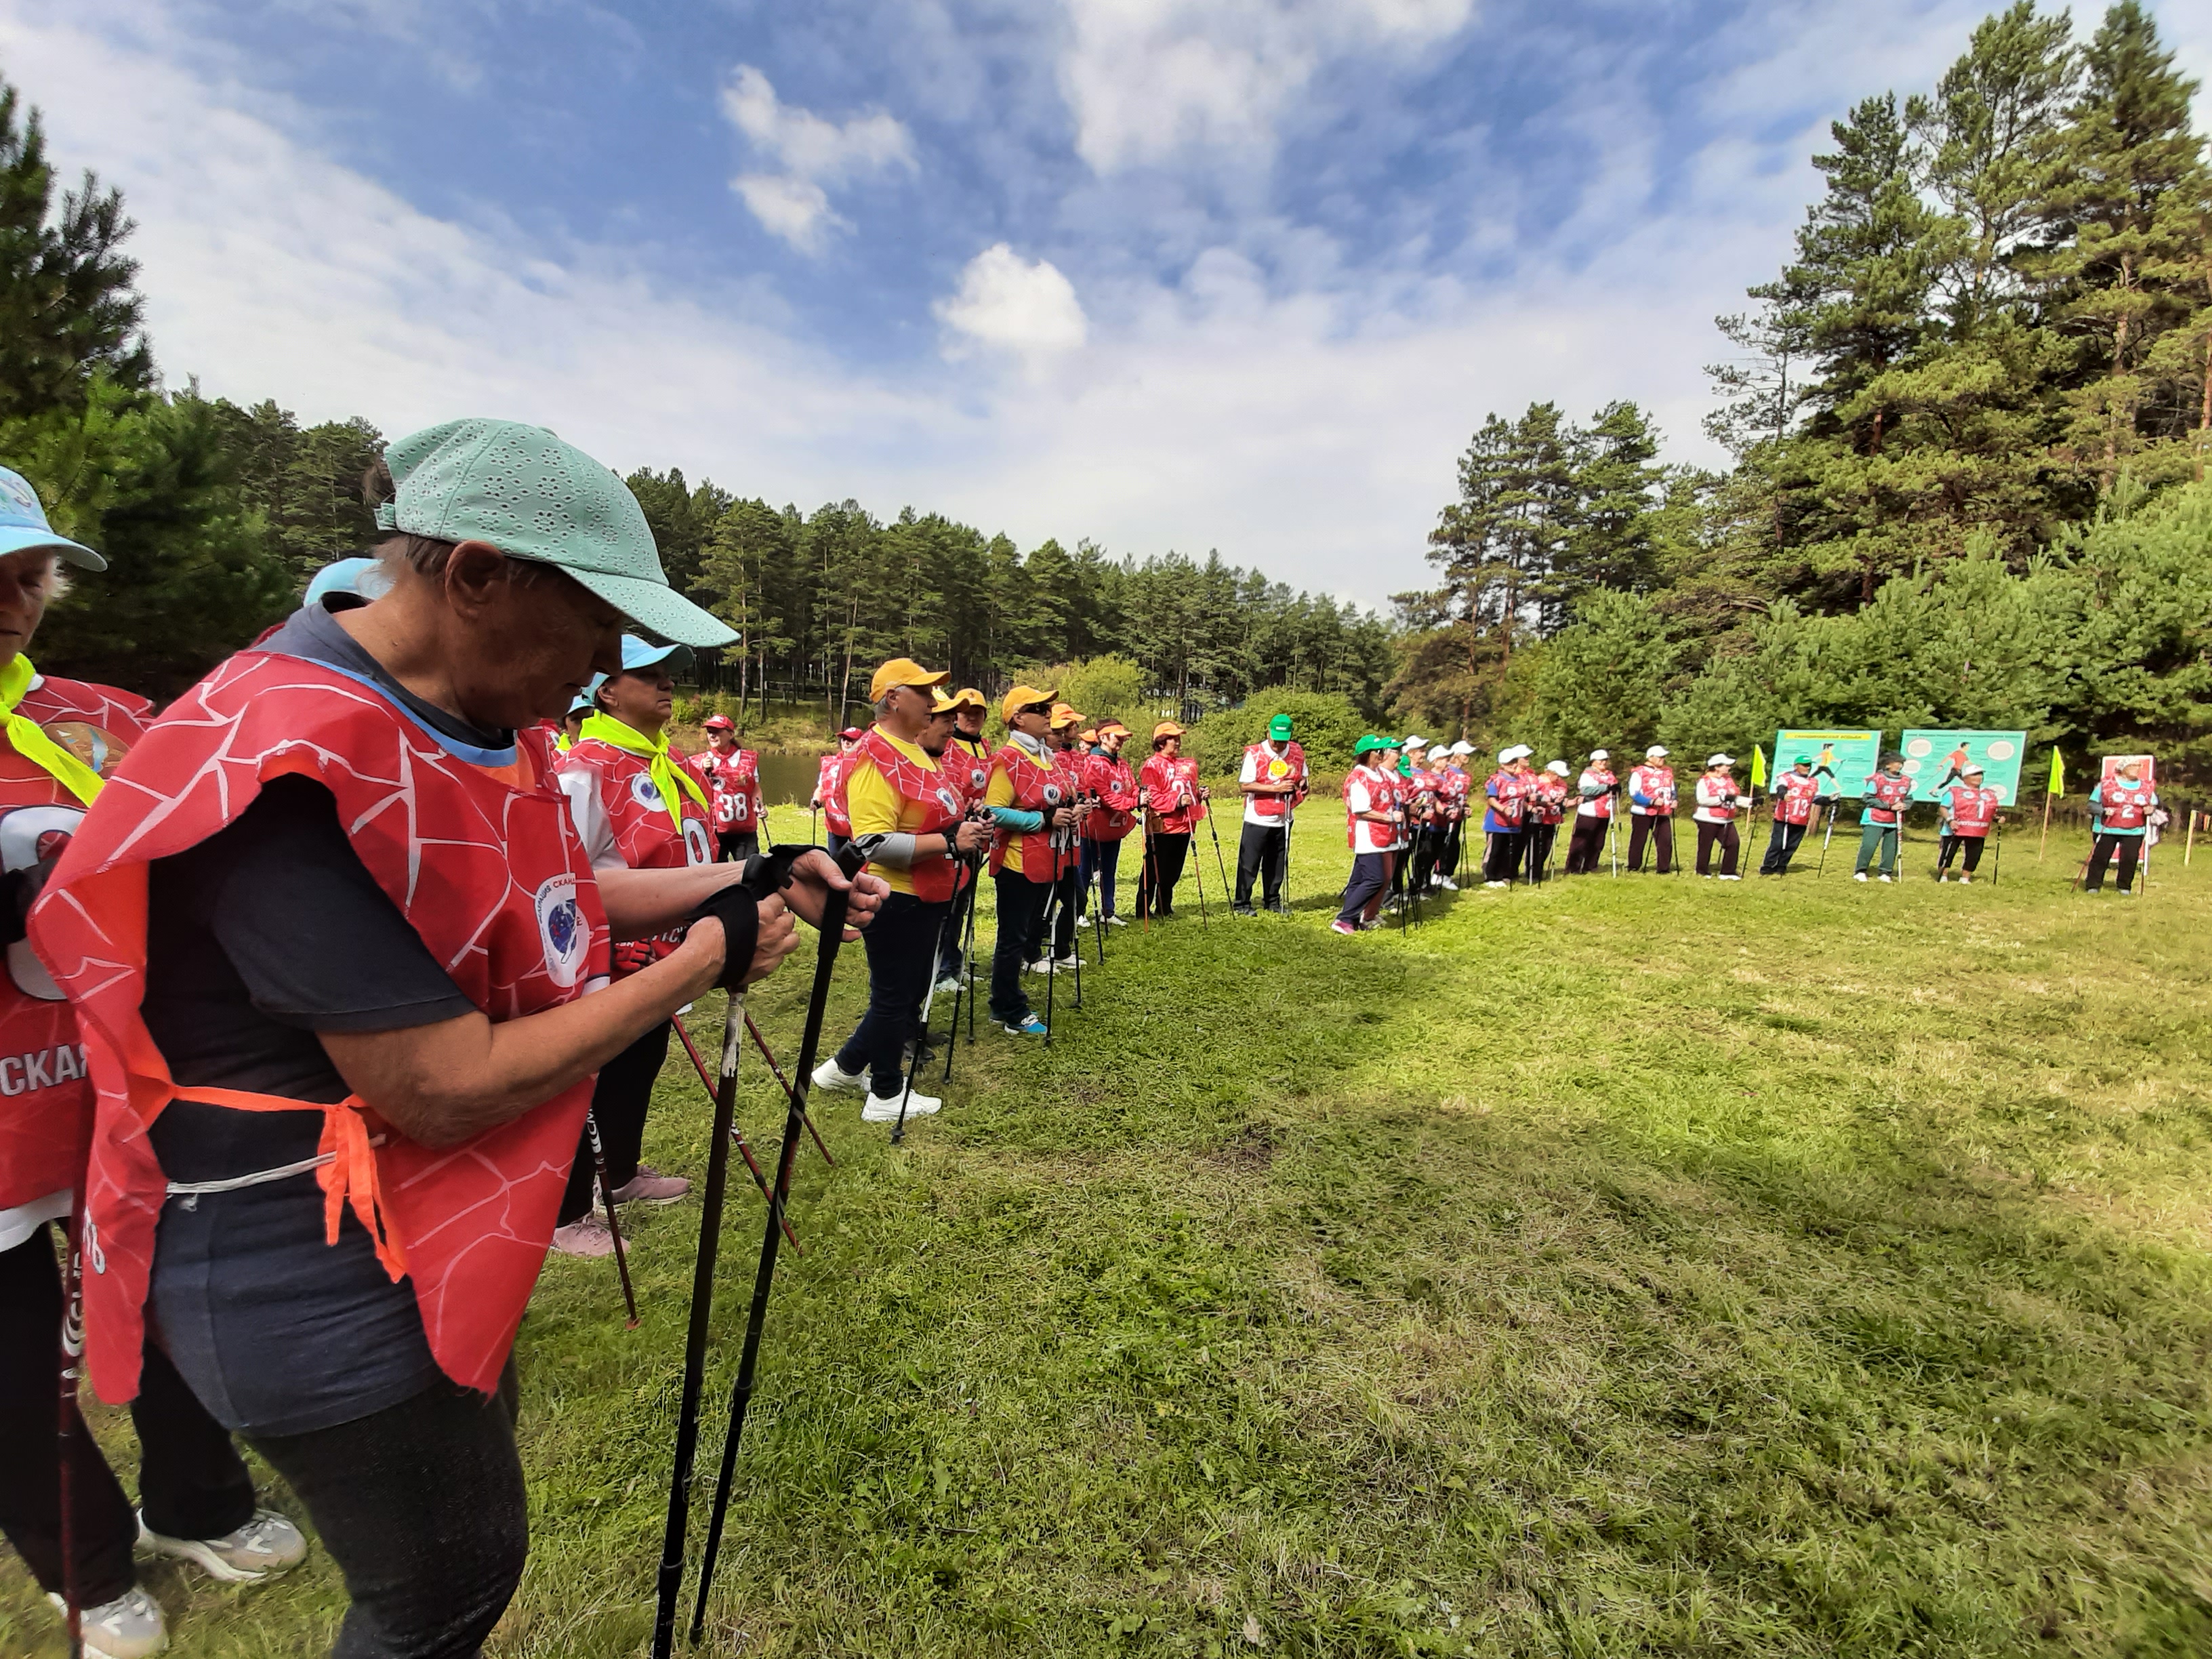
pixel 349 1179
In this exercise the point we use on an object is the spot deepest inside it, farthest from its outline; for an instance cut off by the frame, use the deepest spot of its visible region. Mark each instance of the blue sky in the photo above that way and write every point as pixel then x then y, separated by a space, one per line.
pixel 1240 275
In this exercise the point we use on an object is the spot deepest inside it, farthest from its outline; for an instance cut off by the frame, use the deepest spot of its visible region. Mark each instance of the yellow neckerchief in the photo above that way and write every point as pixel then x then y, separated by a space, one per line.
pixel 31 741
pixel 654 752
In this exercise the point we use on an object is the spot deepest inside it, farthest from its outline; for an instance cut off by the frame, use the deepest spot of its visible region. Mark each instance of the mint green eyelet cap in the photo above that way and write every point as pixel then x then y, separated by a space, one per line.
pixel 533 496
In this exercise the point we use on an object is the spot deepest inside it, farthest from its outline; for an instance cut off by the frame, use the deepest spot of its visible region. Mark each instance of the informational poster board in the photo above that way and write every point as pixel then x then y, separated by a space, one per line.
pixel 1935 760
pixel 1843 760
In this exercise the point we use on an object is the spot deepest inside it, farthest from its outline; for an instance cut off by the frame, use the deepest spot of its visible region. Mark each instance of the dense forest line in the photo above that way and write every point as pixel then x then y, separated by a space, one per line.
pixel 1969 421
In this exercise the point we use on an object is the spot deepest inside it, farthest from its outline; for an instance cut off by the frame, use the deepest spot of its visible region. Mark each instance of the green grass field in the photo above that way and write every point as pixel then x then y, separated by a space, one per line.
pixel 1630 1267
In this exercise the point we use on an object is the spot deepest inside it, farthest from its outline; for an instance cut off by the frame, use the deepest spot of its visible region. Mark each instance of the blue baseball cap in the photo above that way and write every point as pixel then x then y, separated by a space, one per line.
pixel 23 525
pixel 358 576
pixel 636 653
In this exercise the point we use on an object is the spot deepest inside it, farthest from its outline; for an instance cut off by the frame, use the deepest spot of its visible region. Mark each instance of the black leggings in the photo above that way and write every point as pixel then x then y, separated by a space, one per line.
pixel 619 1101
pixel 1967 847
pixel 1586 846
pixel 1156 882
pixel 190 1479
pixel 422 1507
pixel 2130 849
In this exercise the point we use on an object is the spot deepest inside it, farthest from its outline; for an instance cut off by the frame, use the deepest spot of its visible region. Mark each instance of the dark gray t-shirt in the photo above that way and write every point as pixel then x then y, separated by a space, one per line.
pixel 258 938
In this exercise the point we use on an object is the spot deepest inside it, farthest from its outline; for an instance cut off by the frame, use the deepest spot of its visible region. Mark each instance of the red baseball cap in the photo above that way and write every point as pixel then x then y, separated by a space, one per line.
pixel 719 723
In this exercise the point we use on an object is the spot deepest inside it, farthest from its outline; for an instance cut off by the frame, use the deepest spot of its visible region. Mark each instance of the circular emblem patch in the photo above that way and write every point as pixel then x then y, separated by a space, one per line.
pixel 1052 795
pixel 30 836
pixel 646 794
pixel 562 929
pixel 98 748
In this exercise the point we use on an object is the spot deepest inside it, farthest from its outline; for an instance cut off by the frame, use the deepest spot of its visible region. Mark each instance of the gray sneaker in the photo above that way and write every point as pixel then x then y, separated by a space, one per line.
pixel 129 1627
pixel 267 1545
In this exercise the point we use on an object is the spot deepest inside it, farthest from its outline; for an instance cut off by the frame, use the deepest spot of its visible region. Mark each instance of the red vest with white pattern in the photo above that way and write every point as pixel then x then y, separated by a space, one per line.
pixel 2123 808
pixel 830 790
pixel 967 761
pixel 733 783
pixel 1885 795
pixel 1268 767
pixel 1035 789
pixel 1972 811
pixel 939 798
pixel 645 835
pixel 45 1095
pixel 1796 797
pixel 1109 777
pixel 485 865
pixel 1657 785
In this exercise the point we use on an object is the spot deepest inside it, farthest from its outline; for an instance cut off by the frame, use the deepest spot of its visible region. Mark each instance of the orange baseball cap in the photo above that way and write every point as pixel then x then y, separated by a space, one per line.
pixel 902 671
pixel 1064 715
pixel 1022 697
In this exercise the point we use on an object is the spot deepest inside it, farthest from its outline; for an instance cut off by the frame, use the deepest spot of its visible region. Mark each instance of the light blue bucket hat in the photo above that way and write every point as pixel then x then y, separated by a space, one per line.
pixel 533 496
pixel 23 525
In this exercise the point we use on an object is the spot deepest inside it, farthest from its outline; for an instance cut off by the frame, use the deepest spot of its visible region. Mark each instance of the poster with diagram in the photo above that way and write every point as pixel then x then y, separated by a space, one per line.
pixel 1936 760
pixel 1843 760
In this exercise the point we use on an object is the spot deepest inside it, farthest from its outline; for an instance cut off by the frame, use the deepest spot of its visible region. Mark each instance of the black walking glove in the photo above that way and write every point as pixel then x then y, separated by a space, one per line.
pixel 737 907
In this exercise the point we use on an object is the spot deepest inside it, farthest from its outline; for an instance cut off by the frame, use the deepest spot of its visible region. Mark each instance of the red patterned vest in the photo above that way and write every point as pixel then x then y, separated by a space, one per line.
pixel 1972 811
pixel 1109 777
pixel 1598 805
pixel 830 790
pixel 1884 794
pixel 938 795
pixel 645 835
pixel 967 761
pixel 1796 797
pixel 1657 785
pixel 1268 767
pixel 485 865
pixel 2121 807
pixel 1036 789
pixel 1547 798
pixel 45 1095
pixel 732 784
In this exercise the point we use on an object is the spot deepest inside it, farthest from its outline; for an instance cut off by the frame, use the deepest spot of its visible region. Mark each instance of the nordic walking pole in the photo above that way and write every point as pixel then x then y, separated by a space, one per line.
pixel 921 1042
pixel 1198 869
pixel 964 988
pixel 607 1198
pixel 1051 974
pixel 855 856
pixel 1220 868
pixel 670 1577
pixel 68 1438
pixel 784 1084
pixel 737 1135
pixel 1827 835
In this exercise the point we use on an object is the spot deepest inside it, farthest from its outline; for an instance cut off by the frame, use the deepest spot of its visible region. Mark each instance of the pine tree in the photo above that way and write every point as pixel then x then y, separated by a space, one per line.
pixel 2115 242
pixel 1497 543
pixel 69 314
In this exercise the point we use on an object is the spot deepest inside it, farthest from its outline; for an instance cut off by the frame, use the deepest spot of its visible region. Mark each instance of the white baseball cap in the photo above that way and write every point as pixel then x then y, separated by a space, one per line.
pixel 1720 760
pixel 1518 751
pixel 1654 752
pixel 1559 767
pixel 1462 747
pixel 1415 742
pixel 1599 754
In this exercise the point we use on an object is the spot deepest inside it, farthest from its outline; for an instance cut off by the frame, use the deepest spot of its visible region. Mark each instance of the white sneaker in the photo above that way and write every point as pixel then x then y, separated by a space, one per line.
pixel 1888 877
pixel 1858 875
pixel 266 1544
pixel 1496 886
pixel 1963 880
pixel 1065 964
pixel 833 1080
pixel 129 1627
pixel 1115 921
pixel 1447 883
pixel 949 985
pixel 880 1110
pixel 1731 877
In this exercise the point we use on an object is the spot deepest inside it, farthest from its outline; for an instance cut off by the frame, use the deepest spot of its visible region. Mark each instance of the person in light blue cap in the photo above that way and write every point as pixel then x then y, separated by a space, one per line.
pixel 402 972
pixel 347 584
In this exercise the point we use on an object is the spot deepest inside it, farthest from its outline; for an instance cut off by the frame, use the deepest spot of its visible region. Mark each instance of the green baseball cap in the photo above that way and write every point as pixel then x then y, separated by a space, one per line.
pixel 533 496
pixel 1367 746
pixel 1280 726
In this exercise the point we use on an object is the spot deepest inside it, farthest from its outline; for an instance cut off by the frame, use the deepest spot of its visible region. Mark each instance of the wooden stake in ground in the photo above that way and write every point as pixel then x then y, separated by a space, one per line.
pixel 2189 841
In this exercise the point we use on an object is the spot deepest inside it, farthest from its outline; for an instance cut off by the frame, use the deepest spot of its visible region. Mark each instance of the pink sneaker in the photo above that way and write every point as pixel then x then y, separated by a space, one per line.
pixel 649 1186
pixel 588 1237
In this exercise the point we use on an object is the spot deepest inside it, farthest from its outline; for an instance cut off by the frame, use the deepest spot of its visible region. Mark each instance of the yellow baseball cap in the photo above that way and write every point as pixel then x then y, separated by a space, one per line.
pixel 1022 697
pixel 969 697
pixel 1064 715
pixel 940 703
pixel 1166 729
pixel 904 671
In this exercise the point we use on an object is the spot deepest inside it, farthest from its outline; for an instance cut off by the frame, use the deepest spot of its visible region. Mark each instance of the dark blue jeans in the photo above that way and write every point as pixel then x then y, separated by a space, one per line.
pixel 1370 874
pixel 1103 860
pixel 902 946
pixel 1021 914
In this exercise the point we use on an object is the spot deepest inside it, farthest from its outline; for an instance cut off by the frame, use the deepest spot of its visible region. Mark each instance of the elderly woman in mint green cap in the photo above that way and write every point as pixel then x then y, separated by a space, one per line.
pixel 350 1078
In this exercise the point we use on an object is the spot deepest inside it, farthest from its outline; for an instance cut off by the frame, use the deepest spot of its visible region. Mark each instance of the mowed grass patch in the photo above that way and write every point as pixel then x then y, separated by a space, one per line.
pixel 1629 1267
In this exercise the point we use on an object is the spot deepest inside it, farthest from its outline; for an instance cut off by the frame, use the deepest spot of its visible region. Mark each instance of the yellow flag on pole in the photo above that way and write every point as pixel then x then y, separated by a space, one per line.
pixel 1758 767
pixel 2057 772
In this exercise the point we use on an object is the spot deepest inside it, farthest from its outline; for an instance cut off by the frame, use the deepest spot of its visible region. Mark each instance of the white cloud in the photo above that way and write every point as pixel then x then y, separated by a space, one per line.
pixel 1147 78
pixel 793 203
pixel 1030 310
